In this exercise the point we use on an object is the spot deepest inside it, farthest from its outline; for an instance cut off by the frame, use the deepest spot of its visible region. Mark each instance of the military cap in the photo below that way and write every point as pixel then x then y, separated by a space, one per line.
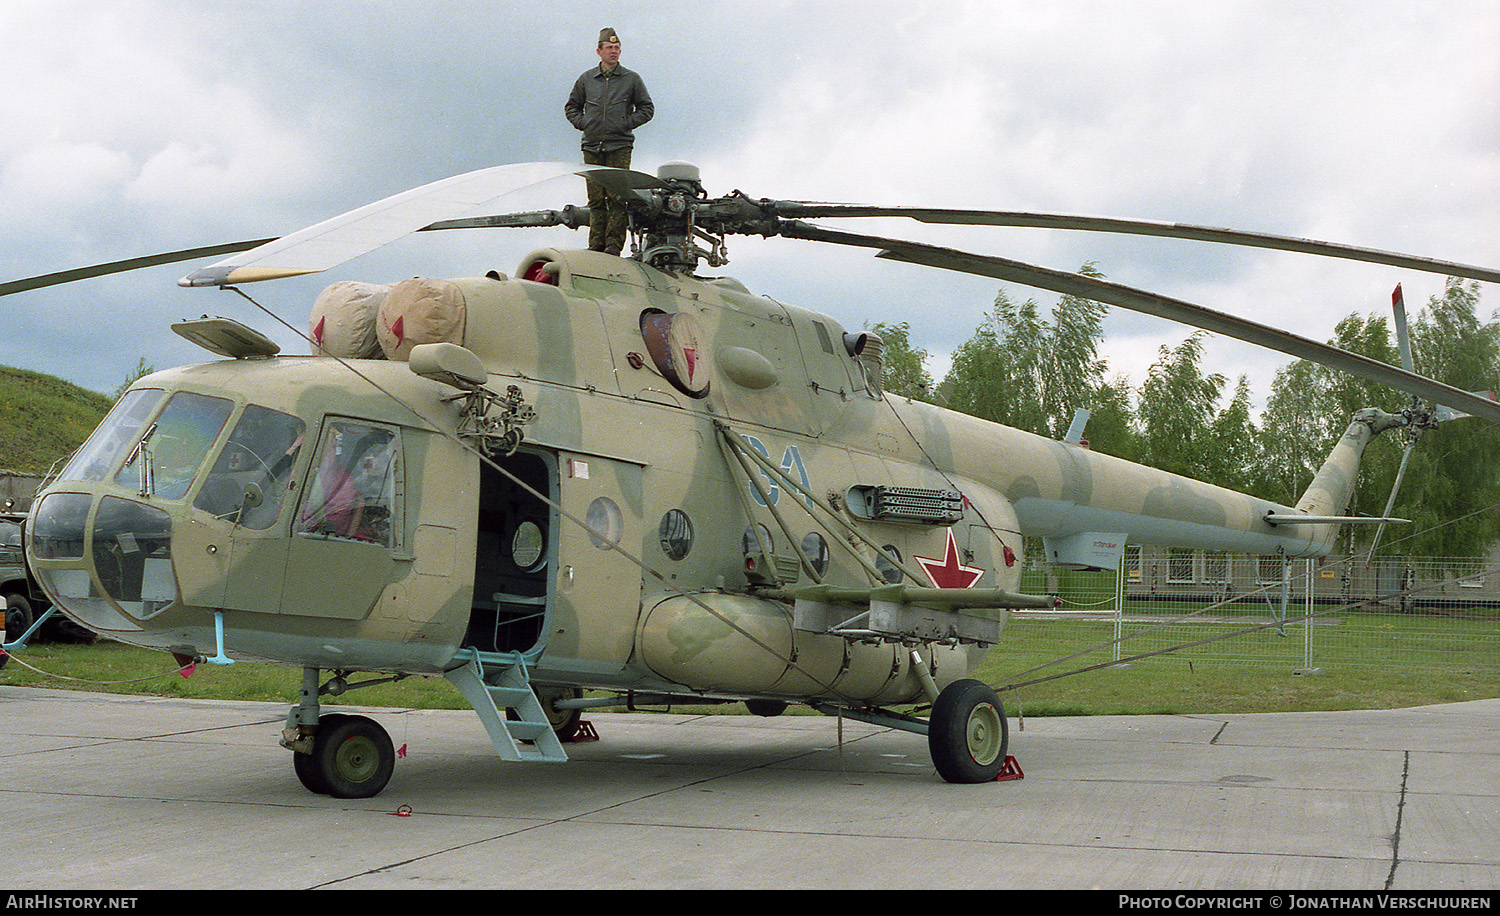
pixel 608 35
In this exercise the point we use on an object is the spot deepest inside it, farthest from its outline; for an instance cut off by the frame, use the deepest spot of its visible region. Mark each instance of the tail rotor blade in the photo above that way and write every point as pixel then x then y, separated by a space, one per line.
pixel 1443 413
pixel 1403 340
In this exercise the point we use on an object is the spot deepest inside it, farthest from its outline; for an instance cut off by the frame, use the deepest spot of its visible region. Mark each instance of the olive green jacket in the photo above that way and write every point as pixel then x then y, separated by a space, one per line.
pixel 608 107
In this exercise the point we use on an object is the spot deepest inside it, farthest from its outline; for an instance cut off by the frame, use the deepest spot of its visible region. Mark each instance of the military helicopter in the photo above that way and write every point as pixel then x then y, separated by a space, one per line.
pixel 620 474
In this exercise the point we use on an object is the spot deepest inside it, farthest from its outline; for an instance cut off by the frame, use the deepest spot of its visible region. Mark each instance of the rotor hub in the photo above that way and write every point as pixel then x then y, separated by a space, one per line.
pixel 678 171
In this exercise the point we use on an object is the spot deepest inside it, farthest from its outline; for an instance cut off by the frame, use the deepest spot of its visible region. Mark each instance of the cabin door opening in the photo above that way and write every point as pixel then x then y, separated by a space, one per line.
pixel 516 550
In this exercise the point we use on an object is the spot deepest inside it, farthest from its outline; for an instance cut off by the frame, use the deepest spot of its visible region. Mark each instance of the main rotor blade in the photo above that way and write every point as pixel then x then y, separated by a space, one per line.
pixel 117 267
pixel 347 236
pixel 570 216
pixel 621 181
pixel 1153 304
pixel 794 209
pixel 573 217
pixel 333 241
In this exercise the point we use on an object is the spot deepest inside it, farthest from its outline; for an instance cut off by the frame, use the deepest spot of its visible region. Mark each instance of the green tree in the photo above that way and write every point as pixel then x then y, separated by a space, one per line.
pixel 142 369
pixel 1452 481
pixel 1310 407
pixel 1176 409
pixel 993 372
pixel 1232 461
pixel 1111 427
pixel 905 365
pixel 1452 485
pixel 1072 371
pixel 1293 434
pixel 1027 371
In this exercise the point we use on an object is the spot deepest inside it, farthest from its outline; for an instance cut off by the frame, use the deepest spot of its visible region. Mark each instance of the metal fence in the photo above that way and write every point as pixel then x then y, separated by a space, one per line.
pixel 1302 615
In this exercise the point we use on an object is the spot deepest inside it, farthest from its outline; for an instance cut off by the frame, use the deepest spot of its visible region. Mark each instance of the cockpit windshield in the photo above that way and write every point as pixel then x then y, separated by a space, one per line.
pixel 155 443
pixel 115 436
pixel 172 448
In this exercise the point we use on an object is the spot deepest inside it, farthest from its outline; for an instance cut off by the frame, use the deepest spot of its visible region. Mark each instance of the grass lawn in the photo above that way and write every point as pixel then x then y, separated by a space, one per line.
pixel 1371 662
pixel 1367 661
pixel 111 667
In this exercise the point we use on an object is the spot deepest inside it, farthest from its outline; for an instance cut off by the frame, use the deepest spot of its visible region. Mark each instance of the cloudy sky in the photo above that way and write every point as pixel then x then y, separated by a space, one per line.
pixel 134 126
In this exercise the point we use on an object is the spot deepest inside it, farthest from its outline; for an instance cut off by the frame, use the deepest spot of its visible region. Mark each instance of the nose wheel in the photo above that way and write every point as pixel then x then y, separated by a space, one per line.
pixel 967 733
pixel 352 757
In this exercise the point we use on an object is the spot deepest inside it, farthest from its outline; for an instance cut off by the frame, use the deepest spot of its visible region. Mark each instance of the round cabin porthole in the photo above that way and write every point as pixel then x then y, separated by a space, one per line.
pixel 752 546
pixel 888 569
pixel 605 523
pixel 815 550
pixel 528 545
pixel 676 534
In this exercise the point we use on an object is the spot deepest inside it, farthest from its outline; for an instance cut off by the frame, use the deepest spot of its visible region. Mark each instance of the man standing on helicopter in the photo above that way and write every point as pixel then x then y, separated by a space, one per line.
pixel 608 103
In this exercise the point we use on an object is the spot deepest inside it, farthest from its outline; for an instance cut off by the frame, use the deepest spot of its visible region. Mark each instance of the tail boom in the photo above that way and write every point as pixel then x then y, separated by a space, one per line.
pixel 1333 486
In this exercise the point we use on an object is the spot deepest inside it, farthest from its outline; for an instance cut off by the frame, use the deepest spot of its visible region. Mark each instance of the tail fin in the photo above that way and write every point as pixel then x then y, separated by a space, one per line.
pixel 1331 488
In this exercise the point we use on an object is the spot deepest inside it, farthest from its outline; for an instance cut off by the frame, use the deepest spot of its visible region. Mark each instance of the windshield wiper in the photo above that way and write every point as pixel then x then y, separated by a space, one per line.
pixel 142 451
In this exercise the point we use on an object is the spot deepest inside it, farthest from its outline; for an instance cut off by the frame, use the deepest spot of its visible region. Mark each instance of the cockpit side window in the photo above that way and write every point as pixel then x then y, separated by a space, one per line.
pixel 352 493
pixel 252 476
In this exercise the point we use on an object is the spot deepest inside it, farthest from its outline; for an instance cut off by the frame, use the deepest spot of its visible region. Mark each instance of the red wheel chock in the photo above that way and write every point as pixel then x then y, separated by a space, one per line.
pixel 585 733
pixel 1009 770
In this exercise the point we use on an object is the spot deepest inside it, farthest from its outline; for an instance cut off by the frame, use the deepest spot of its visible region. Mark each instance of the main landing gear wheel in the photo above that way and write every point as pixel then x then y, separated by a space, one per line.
pixel 565 722
pixel 306 765
pixel 967 733
pixel 767 708
pixel 352 757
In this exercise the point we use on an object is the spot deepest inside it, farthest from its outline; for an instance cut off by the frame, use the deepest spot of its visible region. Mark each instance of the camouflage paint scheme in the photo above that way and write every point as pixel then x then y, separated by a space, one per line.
pixel 612 425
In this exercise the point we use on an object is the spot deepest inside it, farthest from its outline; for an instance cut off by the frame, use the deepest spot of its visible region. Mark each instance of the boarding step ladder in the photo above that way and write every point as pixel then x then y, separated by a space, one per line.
pixel 505 686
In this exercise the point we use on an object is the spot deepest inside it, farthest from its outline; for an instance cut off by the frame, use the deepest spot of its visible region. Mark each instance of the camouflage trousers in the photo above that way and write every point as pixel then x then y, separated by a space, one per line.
pixel 606 213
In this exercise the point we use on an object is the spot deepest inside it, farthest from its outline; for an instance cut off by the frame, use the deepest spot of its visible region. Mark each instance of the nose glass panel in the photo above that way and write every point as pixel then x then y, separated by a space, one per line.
pixel 132 549
pixel 57 530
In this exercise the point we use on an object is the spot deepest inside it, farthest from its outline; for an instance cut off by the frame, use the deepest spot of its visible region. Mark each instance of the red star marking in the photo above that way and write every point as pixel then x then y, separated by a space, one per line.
pixel 949 572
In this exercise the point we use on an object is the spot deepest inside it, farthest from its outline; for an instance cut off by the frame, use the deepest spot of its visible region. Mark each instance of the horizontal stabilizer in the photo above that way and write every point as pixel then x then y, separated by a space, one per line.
pixel 1276 518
